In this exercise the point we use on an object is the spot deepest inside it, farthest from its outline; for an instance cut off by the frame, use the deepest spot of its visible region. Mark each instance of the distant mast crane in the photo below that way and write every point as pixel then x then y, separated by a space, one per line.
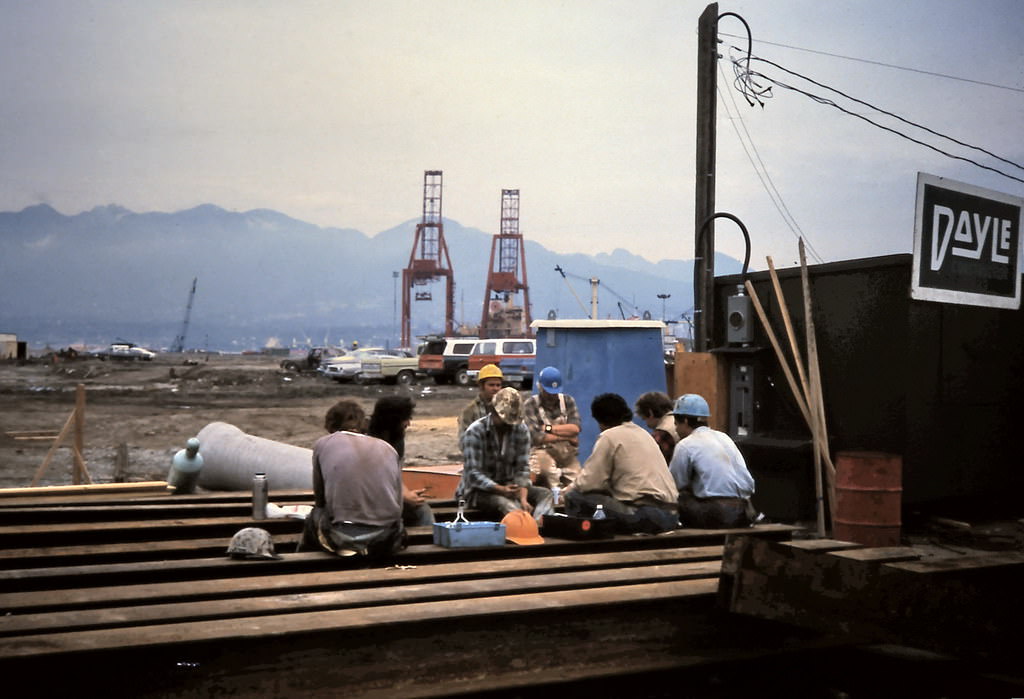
pixel 429 260
pixel 179 341
pixel 501 318
pixel 595 283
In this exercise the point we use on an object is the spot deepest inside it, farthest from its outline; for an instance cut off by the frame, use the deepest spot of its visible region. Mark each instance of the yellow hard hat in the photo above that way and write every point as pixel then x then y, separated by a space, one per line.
pixel 489 371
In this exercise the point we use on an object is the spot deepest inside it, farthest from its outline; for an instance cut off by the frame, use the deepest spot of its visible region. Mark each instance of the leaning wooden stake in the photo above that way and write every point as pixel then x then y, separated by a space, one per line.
pixel 75 421
pixel 813 423
pixel 798 395
pixel 801 397
pixel 815 399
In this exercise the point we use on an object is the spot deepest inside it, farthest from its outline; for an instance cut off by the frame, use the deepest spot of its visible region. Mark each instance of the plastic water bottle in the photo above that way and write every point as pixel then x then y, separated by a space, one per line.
pixel 598 513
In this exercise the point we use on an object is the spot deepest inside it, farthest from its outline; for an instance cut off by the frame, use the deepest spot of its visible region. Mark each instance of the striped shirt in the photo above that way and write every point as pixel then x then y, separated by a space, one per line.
pixel 493 458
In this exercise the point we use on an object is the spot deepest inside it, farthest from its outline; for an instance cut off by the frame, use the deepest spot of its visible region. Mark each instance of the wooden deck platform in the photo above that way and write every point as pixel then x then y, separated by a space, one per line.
pixel 130 592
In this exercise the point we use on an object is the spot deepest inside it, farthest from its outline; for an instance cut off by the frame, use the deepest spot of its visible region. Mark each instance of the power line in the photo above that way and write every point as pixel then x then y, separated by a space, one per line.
pixel 882 64
pixel 828 102
pixel 753 91
pixel 766 181
pixel 887 113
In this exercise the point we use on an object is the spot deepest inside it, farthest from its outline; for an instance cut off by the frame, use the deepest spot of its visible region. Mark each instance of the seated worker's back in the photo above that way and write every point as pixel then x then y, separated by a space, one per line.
pixel 361 479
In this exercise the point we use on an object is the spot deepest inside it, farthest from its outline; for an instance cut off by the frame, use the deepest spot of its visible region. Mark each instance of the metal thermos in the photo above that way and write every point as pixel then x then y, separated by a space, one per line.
pixel 260 495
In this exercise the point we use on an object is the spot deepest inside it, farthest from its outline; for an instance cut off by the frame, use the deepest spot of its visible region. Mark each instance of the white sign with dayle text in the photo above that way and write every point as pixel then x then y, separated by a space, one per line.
pixel 966 244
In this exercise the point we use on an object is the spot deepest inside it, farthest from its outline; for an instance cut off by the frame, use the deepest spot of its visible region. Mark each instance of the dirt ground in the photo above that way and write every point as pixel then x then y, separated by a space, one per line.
pixel 154 407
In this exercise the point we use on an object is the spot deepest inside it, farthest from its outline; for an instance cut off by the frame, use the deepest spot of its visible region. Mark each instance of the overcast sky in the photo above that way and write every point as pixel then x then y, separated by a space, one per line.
pixel 331 111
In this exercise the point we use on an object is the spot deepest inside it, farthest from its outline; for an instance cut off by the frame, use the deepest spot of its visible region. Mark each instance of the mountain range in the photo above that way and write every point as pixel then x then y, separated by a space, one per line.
pixel 263 277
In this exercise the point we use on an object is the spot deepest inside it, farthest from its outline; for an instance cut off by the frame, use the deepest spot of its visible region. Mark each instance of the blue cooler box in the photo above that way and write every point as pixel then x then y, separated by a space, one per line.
pixel 458 534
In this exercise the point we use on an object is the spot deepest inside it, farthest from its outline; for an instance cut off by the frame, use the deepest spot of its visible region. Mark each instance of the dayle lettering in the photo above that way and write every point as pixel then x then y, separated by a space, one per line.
pixel 965 234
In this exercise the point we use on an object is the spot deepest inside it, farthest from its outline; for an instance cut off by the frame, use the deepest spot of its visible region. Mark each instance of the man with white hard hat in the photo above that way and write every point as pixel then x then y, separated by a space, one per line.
pixel 709 471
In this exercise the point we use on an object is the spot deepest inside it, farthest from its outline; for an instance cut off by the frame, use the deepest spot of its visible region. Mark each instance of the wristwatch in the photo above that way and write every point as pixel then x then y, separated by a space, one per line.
pixel 547 428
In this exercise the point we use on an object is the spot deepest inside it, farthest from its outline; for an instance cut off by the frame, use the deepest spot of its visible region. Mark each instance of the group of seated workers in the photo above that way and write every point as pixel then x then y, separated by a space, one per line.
pixel 522 455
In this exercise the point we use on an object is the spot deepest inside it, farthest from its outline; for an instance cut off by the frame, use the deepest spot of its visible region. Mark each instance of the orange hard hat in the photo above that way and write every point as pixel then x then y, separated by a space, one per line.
pixel 521 528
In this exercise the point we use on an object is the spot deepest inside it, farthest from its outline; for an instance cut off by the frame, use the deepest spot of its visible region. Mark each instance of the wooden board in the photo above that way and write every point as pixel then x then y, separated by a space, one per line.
pixel 969 606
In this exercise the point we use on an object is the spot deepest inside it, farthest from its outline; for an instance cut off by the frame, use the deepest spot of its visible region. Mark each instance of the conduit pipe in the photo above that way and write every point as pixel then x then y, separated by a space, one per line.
pixel 231 457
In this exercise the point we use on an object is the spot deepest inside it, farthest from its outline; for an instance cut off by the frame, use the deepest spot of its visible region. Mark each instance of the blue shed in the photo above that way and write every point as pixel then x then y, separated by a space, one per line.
pixel 602 356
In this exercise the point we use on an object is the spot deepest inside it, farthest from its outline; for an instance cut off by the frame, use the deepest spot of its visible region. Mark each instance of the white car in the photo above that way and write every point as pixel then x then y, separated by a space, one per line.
pixel 349 367
pixel 124 350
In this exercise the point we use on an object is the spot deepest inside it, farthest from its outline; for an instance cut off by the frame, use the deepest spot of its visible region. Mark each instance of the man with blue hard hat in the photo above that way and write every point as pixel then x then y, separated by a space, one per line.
pixel 709 471
pixel 554 423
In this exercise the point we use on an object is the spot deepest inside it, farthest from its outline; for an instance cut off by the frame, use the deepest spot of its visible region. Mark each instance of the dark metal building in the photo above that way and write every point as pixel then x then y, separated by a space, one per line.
pixel 938 384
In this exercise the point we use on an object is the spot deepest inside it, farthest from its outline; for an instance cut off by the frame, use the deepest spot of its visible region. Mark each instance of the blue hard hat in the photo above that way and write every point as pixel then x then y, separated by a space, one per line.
pixel 693 405
pixel 551 379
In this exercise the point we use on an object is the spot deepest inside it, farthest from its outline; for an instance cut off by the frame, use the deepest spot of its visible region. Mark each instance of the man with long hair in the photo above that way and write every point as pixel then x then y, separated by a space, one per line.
pixel 357 489
pixel 390 420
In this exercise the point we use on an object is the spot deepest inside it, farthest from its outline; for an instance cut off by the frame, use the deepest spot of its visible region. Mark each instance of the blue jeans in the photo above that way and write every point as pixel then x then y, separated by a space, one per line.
pixel 712 513
pixel 629 518
pixel 492 504
pixel 417 515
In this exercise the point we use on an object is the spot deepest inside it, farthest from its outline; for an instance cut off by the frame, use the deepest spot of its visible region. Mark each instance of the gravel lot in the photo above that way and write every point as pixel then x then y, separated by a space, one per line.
pixel 154 407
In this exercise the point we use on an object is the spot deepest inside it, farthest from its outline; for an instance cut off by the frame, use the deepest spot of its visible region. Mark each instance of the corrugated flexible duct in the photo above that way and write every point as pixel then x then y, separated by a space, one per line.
pixel 231 457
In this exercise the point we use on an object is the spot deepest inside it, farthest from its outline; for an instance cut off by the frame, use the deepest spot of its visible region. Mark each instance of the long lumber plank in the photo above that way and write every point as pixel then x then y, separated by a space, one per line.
pixel 177 612
pixel 135 530
pixel 135 551
pixel 53 495
pixel 86 512
pixel 448 611
pixel 264 581
pixel 86 490
pixel 415 554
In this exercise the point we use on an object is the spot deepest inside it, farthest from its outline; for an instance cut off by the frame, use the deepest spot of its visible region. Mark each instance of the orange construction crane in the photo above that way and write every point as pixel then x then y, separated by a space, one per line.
pixel 429 259
pixel 501 316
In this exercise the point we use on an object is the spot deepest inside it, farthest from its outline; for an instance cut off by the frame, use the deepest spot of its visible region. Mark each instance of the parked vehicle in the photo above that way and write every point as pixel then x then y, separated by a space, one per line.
pixel 313 359
pixel 446 359
pixel 401 367
pixel 349 367
pixel 126 350
pixel 518 371
pixel 498 349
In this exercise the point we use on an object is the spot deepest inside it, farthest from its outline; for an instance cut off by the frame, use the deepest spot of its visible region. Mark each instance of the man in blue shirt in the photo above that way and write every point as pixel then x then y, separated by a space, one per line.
pixel 496 466
pixel 709 471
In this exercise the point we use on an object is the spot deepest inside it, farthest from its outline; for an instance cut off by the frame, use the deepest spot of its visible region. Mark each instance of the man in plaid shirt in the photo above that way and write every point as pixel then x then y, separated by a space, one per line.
pixel 496 468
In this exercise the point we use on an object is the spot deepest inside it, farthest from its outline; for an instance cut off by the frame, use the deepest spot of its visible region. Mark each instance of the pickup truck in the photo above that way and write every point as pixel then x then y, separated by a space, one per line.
pixel 446 359
pixel 401 367
pixel 518 371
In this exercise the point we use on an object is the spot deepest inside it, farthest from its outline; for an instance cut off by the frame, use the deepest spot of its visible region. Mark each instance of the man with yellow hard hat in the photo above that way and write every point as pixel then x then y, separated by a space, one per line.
pixel 489 380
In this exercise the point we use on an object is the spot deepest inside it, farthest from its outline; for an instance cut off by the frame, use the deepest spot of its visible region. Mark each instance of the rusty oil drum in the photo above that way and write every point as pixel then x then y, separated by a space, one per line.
pixel 869 494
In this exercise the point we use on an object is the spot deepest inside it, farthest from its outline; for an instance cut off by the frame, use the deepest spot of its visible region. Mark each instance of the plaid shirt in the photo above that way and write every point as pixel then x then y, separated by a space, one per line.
pixel 471 413
pixel 534 419
pixel 490 459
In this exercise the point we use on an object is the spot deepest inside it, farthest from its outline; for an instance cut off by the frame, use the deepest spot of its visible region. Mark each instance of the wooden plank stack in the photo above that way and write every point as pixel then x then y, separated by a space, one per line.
pixel 967 606
pixel 131 593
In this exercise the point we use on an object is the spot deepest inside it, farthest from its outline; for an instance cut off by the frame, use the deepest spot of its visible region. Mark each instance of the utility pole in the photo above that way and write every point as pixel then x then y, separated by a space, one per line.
pixel 394 306
pixel 704 204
